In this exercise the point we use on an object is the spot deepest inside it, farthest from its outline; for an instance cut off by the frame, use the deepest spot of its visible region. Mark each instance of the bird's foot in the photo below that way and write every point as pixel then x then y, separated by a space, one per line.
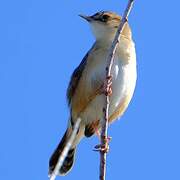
pixel 106 88
pixel 103 147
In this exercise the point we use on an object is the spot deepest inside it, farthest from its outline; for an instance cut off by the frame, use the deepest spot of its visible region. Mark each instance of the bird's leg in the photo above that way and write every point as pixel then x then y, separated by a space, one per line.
pixel 106 87
pixel 107 90
pixel 98 134
pixel 100 147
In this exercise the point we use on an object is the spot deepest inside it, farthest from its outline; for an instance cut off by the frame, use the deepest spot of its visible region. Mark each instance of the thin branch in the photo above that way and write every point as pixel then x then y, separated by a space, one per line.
pixel 110 59
pixel 65 150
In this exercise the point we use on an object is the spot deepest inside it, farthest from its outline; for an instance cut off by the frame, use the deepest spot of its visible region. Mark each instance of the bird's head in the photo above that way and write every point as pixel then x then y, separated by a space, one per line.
pixel 104 25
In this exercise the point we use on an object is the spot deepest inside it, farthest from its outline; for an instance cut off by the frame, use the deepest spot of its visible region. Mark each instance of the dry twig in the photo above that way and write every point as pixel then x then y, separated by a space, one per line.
pixel 110 59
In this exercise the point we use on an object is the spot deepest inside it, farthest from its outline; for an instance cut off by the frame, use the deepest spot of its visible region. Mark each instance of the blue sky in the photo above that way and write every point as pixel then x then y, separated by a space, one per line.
pixel 36 38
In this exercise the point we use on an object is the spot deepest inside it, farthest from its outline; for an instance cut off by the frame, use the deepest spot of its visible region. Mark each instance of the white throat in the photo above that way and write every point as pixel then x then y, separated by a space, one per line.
pixel 103 33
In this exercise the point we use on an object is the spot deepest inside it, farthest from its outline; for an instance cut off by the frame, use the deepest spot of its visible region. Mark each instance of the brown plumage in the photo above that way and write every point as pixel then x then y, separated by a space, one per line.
pixel 84 94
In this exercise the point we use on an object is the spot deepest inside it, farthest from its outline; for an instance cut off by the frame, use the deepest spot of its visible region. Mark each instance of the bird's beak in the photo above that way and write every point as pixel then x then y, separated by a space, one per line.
pixel 87 18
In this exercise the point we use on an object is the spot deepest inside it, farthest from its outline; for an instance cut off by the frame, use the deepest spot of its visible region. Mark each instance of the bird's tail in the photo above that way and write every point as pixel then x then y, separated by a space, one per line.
pixel 69 160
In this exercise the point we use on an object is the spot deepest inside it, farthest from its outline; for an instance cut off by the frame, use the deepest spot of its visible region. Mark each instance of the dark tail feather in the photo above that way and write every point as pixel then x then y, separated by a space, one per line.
pixel 69 160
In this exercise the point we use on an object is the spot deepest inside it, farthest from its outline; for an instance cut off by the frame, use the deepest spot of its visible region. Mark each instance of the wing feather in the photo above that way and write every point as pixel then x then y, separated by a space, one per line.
pixel 76 76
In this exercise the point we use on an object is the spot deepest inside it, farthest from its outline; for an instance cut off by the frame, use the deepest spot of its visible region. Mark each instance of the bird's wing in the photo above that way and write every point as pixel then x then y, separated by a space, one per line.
pixel 76 76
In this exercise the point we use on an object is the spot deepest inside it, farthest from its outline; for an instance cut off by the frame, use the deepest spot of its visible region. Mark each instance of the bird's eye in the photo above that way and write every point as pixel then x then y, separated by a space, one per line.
pixel 104 18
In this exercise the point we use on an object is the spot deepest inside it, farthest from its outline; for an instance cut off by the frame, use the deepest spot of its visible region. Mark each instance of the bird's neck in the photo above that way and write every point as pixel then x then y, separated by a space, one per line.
pixel 105 41
pixel 108 40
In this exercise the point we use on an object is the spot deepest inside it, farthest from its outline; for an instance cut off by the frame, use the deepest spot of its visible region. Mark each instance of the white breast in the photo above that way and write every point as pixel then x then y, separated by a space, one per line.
pixel 123 83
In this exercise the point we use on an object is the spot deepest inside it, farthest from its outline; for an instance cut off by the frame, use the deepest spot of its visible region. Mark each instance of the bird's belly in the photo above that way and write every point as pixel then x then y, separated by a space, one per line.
pixel 123 84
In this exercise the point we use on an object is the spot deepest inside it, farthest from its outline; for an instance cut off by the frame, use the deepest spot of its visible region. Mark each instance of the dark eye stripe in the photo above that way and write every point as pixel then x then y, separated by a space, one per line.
pixel 104 18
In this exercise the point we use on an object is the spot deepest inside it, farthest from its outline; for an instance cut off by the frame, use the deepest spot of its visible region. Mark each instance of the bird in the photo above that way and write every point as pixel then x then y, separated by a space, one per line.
pixel 85 91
